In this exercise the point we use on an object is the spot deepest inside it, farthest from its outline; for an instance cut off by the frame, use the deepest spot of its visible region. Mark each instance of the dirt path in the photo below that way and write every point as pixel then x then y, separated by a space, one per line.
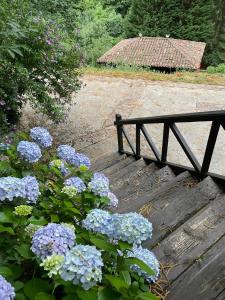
pixel 92 114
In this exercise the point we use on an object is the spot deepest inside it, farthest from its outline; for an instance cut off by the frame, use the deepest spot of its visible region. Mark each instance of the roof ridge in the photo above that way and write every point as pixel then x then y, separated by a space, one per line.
pixel 180 51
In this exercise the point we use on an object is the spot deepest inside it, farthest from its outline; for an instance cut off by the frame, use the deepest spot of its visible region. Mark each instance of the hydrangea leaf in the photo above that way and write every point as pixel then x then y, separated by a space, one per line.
pixel 117 282
pixel 5 271
pixel 35 286
pixel 135 261
pixel 7 229
pixel 24 251
pixel 18 285
pixel 44 296
pixel 107 293
pixel 87 295
pixel 146 296
pixel 102 244
pixel 6 217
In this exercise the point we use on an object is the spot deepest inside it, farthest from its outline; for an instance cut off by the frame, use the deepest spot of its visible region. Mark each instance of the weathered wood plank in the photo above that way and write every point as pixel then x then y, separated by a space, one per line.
pixel 132 168
pixel 106 161
pixel 190 241
pixel 132 196
pixel 118 166
pixel 170 208
pixel 205 279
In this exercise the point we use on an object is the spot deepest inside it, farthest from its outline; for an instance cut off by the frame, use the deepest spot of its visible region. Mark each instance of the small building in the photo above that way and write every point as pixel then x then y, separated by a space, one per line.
pixel 156 52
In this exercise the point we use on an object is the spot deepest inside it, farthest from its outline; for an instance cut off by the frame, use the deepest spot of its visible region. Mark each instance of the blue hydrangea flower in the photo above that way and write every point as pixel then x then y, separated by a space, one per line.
pixel 7 292
pixel 31 188
pixel 66 152
pixel 82 266
pixel 11 187
pixel 132 228
pixel 100 221
pixel 52 239
pixel 77 183
pixel 29 151
pixel 57 163
pixel 99 184
pixel 41 136
pixel 79 160
pixel 147 257
pixel 113 201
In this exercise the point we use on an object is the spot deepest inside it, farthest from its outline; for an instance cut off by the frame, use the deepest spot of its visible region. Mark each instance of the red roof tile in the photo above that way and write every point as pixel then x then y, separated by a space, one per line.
pixel 156 52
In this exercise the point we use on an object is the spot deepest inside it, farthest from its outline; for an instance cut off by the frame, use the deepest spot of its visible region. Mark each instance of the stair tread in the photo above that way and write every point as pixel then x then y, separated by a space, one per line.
pixel 186 244
pixel 109 171
pixel 204 279
pixel 171 206
pixel 133 167
pixel 107 161
pixel 132 191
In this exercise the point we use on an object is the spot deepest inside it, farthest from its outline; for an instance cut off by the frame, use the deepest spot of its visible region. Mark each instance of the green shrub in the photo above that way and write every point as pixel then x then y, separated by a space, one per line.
pixel 38 62
pixel 211 70
pixel 42 226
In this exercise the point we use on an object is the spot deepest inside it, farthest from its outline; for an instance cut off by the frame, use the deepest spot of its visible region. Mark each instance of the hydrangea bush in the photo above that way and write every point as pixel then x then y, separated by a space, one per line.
pixel 59 239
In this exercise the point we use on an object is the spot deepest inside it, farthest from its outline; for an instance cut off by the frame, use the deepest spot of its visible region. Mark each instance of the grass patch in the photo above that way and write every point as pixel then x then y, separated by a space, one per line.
pixel 197 77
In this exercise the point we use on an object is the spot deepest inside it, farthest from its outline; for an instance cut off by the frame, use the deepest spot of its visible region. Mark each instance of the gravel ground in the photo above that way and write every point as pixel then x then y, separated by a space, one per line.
pixel 92 114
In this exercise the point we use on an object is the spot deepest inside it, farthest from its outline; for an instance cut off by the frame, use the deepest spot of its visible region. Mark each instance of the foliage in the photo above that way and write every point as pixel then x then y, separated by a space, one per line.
pixel 99 30
pixel 120 7
pixel 219 69
pixel 38 61
pixel 47 249
pixel 193 20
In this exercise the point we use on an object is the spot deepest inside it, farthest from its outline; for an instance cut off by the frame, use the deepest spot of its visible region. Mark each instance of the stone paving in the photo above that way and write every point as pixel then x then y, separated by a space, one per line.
pixel 92 115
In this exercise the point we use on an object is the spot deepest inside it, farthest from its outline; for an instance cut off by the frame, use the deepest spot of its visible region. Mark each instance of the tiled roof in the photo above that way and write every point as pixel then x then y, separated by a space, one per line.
pixel 156 52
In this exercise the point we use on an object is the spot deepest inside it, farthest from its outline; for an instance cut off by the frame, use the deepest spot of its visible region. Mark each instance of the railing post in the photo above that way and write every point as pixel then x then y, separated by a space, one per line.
pixel 119 133
pixel 210 146
pixel 138 141
pixel 166 131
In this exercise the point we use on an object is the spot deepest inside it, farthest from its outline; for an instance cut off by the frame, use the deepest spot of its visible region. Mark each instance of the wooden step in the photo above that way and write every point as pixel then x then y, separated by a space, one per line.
pixel 190 241
pixel 107 161
pixel 205 279
pixel 132 168
pixel 133 195
pixel 117 167
pixel 173 204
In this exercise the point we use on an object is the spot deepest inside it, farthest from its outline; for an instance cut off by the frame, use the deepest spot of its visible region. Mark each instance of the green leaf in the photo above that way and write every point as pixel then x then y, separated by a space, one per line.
pixel 146 296
pixel 102 244
pixel 7 229
pixel 35 286
pixel 24 251
pixel 18 285
pixel 117 282
pixel 11 53
pixel 44 296
pixel 141 264
pixel 126 277
pixel 88 295
pixel 107 294
pixel 20 296
pixel 5 271
pixel 6 217
pixel 41 221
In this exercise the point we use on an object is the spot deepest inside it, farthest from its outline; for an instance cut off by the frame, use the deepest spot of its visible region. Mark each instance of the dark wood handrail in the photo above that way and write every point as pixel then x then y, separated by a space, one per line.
pixel 169 121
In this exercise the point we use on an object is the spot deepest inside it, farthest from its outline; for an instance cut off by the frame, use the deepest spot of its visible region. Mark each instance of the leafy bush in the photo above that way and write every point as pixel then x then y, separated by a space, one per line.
pixel 38 62
pixel 59 239
pixel 219 69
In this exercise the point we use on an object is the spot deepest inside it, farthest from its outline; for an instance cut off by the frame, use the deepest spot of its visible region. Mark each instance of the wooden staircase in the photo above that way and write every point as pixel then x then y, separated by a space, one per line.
pixel 188 218
pixel 186 205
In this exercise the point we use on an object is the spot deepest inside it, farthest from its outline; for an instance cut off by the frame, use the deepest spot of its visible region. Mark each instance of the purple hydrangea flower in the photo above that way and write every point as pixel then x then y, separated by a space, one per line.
pixel 52 239
pixel 31 188
pixel 11 187
pixel 77 183
pixel 7 292
pixel 147 257
pixel 113 201
pixel 79 160
pixel 82 266
pixel 41 136
pixel 99 184
pixel 29 151
pixel 66 152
